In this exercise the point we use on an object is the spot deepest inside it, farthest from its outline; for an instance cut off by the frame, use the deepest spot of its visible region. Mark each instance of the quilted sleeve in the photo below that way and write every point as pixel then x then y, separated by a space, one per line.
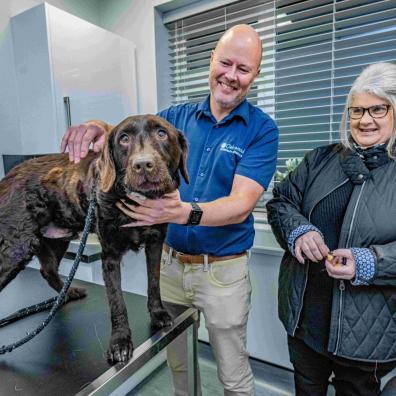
pixel 284 209
pixel 385 271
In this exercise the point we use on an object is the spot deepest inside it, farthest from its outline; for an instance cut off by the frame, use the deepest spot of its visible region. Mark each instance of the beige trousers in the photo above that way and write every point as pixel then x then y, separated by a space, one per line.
pixel 221 291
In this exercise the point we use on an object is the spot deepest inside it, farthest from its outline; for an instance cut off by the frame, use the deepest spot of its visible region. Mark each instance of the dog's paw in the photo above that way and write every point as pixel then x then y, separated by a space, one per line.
pixel 160 318
pixel 75 293
pixel 120 350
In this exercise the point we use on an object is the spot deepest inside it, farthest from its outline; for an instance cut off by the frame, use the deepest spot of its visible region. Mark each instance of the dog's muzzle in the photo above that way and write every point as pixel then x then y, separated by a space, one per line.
pixel 143 164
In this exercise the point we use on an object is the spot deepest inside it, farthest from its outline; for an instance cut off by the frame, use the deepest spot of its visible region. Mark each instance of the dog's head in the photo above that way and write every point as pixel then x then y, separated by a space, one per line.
pixel 143 154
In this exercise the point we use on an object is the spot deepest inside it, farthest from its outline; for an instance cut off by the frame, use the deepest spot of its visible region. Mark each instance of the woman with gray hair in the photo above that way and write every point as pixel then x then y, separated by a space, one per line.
pixel 335 218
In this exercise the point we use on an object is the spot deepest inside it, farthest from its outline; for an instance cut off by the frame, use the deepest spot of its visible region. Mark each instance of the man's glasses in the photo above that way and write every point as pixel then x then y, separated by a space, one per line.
pixel 377 111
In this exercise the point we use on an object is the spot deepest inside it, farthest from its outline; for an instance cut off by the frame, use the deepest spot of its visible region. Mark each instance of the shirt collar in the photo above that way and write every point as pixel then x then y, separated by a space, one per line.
pixel 242 111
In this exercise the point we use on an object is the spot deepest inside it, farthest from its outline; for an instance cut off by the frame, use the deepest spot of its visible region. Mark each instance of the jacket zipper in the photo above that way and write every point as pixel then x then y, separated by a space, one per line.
pixel 342 283
pixel 306 278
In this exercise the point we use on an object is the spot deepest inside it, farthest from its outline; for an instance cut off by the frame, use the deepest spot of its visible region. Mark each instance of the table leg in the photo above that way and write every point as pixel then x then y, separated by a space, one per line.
pixel 192 355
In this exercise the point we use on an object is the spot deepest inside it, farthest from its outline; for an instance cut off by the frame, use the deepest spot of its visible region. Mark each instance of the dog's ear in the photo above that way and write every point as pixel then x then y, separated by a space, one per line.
pixel 183 159
pixel 106 165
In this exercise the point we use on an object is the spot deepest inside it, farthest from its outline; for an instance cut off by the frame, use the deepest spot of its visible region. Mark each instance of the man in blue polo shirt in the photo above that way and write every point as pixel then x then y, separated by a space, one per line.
pixel 232 158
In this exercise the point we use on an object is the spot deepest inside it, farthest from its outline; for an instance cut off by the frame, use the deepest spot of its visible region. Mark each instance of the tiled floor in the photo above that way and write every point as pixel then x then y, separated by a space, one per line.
pixel 269 380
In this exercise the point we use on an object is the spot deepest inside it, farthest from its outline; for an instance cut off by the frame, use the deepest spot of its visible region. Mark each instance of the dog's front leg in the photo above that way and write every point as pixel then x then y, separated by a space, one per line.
pixel 120 348
pixel 158 314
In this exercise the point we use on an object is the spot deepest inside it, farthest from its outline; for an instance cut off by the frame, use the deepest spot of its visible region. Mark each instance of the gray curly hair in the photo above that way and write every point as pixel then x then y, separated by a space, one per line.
pixel 378 79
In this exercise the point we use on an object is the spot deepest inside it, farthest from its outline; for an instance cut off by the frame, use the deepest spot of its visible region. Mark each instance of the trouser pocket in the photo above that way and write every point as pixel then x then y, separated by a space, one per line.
pixel 228 273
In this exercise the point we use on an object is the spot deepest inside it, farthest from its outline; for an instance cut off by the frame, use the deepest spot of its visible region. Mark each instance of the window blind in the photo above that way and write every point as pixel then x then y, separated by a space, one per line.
pixel 321 47
pixel 192 39
pixel 312 52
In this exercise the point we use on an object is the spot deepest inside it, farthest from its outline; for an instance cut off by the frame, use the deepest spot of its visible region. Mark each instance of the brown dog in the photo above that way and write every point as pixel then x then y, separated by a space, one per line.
pixel 142 154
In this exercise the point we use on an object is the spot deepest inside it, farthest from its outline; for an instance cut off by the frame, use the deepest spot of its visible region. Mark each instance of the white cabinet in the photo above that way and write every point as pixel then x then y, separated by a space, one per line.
pixel 57 55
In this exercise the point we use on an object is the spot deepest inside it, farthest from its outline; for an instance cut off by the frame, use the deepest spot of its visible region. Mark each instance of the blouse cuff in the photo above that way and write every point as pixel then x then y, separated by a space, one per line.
pixel 365 266
pixel 297 232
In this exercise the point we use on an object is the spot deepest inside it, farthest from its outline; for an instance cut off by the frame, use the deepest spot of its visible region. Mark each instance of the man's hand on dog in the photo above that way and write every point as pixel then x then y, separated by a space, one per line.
pixel 168 209
pixel 78 138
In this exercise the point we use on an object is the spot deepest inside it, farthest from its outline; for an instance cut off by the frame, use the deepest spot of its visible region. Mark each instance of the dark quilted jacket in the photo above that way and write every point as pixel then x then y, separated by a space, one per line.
pixel 363 318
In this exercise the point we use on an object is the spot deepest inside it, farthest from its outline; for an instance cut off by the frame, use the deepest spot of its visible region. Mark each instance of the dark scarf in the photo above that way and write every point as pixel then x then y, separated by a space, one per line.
pixel 358 162
pixel 374 156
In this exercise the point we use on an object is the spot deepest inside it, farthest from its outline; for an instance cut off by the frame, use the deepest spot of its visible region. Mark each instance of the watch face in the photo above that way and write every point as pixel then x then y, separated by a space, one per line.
pixel 195 214
pixel 196 217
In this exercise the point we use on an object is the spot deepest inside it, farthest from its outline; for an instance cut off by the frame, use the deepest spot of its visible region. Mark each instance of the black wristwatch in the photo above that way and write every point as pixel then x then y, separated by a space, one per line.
pixel 195 214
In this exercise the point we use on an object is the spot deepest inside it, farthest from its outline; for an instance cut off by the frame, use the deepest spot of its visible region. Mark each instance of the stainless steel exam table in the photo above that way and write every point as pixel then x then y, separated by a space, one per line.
pixel 68 356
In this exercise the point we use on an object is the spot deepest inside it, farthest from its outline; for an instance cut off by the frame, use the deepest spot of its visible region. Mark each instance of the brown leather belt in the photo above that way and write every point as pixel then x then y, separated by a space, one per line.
pixel 199 259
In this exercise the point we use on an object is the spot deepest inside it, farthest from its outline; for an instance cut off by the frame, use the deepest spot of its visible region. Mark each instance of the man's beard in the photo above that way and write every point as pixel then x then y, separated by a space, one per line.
pixel 229 103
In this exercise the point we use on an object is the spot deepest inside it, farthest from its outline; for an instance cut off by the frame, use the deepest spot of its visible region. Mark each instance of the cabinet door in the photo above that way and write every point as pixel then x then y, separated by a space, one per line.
pixel 49 54
pixel 35 129
pixel 94 68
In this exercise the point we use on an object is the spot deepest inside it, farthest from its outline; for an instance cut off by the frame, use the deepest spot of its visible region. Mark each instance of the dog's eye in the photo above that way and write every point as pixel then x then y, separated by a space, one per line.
pixel 162 134
pixel 124 138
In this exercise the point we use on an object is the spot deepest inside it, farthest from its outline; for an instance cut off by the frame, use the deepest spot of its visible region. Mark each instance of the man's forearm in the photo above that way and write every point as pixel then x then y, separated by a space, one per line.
pixel 222 211
pixel 231 209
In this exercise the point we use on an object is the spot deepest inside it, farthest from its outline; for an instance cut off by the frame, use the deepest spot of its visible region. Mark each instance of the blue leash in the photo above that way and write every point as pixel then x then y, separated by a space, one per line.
pixel 57 301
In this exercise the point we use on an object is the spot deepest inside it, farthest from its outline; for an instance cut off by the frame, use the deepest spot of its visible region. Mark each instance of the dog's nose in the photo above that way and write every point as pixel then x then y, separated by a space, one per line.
pixel 143 164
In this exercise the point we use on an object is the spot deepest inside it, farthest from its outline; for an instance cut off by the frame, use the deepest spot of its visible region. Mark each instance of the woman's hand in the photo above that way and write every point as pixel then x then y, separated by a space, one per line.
pixel 312 246
pixel 343 265
pixel 168 209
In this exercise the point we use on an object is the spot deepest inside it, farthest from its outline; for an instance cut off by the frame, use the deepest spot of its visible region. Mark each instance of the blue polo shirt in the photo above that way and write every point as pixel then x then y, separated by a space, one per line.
pixel 244 143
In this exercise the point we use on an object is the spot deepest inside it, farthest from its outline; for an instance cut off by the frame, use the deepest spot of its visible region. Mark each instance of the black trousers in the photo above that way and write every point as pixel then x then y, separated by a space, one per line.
pixel 351 378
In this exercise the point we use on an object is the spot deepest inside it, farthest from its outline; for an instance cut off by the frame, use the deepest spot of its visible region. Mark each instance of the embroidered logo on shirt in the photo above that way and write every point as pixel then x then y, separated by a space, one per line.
pixel 229 148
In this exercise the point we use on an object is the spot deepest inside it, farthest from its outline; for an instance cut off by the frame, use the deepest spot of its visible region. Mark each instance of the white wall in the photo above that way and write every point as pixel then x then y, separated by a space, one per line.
pixel 134 20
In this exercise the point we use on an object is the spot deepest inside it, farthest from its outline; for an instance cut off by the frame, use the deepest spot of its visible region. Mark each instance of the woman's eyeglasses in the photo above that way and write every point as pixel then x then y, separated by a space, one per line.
pixel 377 111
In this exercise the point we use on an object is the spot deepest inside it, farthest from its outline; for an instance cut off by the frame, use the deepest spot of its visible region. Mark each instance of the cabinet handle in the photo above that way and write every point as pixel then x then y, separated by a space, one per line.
pixel 66 101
